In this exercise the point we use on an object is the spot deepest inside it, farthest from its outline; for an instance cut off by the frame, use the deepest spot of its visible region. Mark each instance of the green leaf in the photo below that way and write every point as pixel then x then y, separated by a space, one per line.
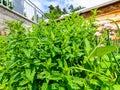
pixel 54 86
pixel 108 73
pixel 1 76
pixel 44 86
pixel 100 51
pixel 65 64
pixel 23 82
pixel 15 77
pixel 94 82
pixel 2 86
pixel 30 73
pixel 55 75
pixel 78 81
pixel 55 78
pixel 116 87
pixel 49 62
pixel 43 75
pixel 71 81
pixel 27 52
pixel 74 86
pixel 87 46
pixel 61 88
pixel 21 88
pixel 1 68
pixel 60 63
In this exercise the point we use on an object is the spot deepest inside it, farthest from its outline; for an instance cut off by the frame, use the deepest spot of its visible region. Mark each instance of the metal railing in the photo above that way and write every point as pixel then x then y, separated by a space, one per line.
pixel 33 12
pixel 30 10
pixel 7 3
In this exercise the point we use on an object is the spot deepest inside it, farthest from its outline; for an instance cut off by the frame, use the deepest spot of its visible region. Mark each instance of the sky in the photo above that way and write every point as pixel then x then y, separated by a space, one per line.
pixel 43 4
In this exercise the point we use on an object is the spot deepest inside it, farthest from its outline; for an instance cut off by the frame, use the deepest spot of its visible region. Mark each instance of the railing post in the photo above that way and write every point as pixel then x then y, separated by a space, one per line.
pixel 7 3
pixel 35 15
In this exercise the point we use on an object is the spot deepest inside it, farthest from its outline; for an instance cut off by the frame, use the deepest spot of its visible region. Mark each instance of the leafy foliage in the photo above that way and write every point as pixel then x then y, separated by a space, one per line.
pixel 56 12
pixel 57 56
pixel 72 9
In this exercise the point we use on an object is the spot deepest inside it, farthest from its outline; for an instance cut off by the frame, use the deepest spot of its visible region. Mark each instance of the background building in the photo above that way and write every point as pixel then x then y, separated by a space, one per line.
pixel 18 6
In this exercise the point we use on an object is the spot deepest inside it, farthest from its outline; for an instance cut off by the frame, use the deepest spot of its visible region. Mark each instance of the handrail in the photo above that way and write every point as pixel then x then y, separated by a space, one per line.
pixel 34 6
pixel 5 2
pixel 42 13
pixel 37 11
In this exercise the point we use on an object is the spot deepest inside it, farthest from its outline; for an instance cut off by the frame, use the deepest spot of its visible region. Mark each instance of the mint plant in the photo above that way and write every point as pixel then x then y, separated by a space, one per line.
pixel 61 55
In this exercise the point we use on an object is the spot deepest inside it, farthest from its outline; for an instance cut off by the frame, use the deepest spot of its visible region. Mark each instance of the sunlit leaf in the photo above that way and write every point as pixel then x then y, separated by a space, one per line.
pixel 44 86
pixel 100 51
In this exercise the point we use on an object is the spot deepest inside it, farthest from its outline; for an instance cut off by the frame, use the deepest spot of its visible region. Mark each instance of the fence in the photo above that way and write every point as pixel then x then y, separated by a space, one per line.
pixel 6 3
pixel 30 10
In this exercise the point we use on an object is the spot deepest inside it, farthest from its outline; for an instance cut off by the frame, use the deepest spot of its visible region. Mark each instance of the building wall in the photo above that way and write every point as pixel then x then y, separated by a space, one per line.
pixel 8 15
pixel 18 6
pixel 111 11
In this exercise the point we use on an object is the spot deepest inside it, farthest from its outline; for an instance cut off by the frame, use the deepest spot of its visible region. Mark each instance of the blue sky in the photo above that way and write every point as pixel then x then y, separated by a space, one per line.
pixel 43 4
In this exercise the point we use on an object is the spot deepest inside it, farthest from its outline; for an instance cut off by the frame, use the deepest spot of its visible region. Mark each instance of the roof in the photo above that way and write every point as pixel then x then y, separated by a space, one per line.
pixel 98 6
pixel 88 9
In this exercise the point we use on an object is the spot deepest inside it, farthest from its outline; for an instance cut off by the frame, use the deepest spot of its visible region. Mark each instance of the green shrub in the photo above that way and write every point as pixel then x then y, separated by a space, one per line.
pixel 58 56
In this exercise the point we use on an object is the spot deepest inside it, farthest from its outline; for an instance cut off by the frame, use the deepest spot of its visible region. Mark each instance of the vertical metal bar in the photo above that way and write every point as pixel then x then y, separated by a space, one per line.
pixel 35 18
pixel 7 3
pixel 12 4
pixel 24 9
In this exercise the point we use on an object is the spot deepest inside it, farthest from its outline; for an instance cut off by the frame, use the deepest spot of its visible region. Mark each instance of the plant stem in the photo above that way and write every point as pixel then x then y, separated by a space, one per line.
pixel 90 71
pixel 108 42
pixel 115 60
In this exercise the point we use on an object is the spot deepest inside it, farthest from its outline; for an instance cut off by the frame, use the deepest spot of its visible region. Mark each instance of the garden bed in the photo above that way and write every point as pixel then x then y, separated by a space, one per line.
pixel 65 55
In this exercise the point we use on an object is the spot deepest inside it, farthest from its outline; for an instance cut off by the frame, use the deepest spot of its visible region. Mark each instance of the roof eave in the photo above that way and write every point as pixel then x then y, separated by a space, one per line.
pixel 98 6
pixel 89 9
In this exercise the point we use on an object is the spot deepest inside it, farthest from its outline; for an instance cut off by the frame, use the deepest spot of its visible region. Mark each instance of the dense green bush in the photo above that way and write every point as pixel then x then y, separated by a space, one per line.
pixel 58 56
